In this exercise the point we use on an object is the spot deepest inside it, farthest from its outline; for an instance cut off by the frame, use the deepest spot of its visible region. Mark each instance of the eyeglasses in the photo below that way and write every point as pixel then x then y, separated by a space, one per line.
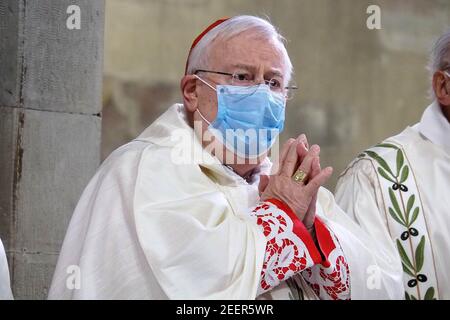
pixel 246 79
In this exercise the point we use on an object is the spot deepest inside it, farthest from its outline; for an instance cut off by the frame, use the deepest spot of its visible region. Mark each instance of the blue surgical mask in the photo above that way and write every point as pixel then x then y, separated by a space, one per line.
pixel 249 119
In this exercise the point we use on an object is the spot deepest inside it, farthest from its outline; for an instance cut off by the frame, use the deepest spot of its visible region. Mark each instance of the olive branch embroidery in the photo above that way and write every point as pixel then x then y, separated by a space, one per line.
pixel 405 216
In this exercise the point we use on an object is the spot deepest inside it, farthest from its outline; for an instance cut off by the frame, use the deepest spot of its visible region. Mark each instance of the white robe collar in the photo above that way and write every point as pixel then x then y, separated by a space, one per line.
pixel 434 126
pixel 161 132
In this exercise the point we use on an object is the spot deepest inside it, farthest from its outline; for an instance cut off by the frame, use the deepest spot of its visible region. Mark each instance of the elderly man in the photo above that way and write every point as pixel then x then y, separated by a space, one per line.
pixel 187 210
pixel 398 191
pixel 5 288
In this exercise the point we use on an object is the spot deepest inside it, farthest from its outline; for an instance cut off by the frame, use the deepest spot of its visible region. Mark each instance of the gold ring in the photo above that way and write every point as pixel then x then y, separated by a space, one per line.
pixel 299 176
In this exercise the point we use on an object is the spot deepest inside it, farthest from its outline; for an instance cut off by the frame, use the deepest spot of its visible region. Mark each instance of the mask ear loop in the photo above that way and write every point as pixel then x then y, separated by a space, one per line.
pixel 201 116
pixel 205 82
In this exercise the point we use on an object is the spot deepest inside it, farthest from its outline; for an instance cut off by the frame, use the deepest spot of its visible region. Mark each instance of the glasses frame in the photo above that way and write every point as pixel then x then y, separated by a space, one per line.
pixel 232 74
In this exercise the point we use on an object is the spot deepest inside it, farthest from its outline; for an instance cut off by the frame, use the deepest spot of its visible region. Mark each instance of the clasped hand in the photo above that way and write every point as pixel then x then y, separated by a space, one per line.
pixel 300 196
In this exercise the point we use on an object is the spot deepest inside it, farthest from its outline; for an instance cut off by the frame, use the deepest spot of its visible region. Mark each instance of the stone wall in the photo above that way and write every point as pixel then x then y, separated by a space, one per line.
pixel 50 125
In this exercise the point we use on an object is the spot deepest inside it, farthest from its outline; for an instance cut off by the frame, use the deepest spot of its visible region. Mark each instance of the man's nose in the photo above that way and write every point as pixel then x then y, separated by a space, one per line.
pixel 259 78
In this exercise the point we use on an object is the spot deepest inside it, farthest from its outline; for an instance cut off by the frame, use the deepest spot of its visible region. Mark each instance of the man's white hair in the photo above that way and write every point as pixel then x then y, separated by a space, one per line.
pixel 439 57
pixel 440 54
pixel 199 57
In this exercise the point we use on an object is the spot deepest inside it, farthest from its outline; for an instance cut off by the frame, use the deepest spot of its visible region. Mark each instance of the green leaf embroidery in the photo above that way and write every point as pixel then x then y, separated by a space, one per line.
pixel 409 206
pixel 404 175
pixel 400 161
pixel 395 217
pixel 406 270
pixel 429 295
pixel 380 161
pixel 414 216
pixel 403 218
pixel 387 145
pixel 403 255
pixel 419 254
pixel 395 204
pixel 385 175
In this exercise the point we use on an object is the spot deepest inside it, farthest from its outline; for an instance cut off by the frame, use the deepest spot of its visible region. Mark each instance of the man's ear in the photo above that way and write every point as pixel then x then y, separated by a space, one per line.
pixel 441 88
pixel 188 87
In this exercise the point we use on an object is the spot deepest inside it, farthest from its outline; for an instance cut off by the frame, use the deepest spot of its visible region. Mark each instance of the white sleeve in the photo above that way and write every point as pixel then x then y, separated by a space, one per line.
pixel 358 193
pixel 5 288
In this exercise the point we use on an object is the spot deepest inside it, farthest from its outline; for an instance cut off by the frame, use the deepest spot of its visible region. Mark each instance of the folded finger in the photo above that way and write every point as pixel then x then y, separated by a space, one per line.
pixel 290 163
pixel 306 164
pixel 315 167
pixel 284 150
pixel 302 151
pixel 319 180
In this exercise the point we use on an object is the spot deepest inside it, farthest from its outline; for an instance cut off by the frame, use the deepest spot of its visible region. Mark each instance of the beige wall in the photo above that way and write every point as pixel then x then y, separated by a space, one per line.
pixel 357 86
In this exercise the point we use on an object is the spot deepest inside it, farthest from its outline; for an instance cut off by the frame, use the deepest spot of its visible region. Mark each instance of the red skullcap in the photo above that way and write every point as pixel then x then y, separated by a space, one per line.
pixel 200 36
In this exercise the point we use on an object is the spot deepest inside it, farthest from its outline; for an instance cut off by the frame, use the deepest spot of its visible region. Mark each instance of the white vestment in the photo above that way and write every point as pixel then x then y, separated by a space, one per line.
pixel 5 287
pixel 147 227
pixel 398 192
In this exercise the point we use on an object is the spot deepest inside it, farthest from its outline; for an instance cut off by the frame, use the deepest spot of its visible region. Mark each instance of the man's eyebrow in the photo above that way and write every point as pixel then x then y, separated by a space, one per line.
pixel 243 66
pixel 274 72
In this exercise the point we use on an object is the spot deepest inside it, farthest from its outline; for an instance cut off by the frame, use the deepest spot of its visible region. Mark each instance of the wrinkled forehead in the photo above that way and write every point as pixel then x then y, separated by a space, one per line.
pixel 247 49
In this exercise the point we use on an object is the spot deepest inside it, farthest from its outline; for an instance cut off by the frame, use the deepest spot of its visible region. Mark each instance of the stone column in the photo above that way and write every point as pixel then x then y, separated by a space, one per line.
pixel 50 124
